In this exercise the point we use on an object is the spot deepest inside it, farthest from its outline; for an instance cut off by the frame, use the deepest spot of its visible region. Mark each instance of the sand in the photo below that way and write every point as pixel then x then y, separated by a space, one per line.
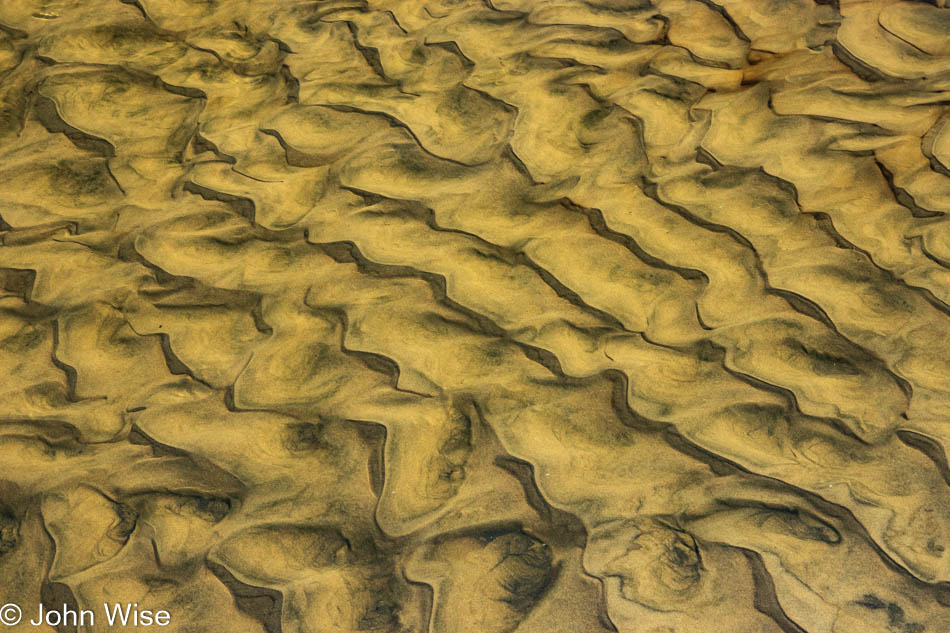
pixel 476 316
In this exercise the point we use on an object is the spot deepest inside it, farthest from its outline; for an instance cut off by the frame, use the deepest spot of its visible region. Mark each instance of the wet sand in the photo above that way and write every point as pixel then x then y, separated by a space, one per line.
pixel 477 316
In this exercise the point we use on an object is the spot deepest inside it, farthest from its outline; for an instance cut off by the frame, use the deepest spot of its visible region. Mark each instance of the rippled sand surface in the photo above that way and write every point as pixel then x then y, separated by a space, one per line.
pixel 451 316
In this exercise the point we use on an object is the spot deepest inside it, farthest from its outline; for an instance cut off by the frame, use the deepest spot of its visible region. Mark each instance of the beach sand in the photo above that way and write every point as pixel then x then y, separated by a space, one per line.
pixel 476 316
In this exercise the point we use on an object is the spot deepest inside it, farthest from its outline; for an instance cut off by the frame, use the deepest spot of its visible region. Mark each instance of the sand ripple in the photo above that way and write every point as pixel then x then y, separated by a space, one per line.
pixel 477 315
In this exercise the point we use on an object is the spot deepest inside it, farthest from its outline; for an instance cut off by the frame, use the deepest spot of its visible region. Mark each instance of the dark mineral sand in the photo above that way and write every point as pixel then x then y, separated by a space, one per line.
pixel 477 316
